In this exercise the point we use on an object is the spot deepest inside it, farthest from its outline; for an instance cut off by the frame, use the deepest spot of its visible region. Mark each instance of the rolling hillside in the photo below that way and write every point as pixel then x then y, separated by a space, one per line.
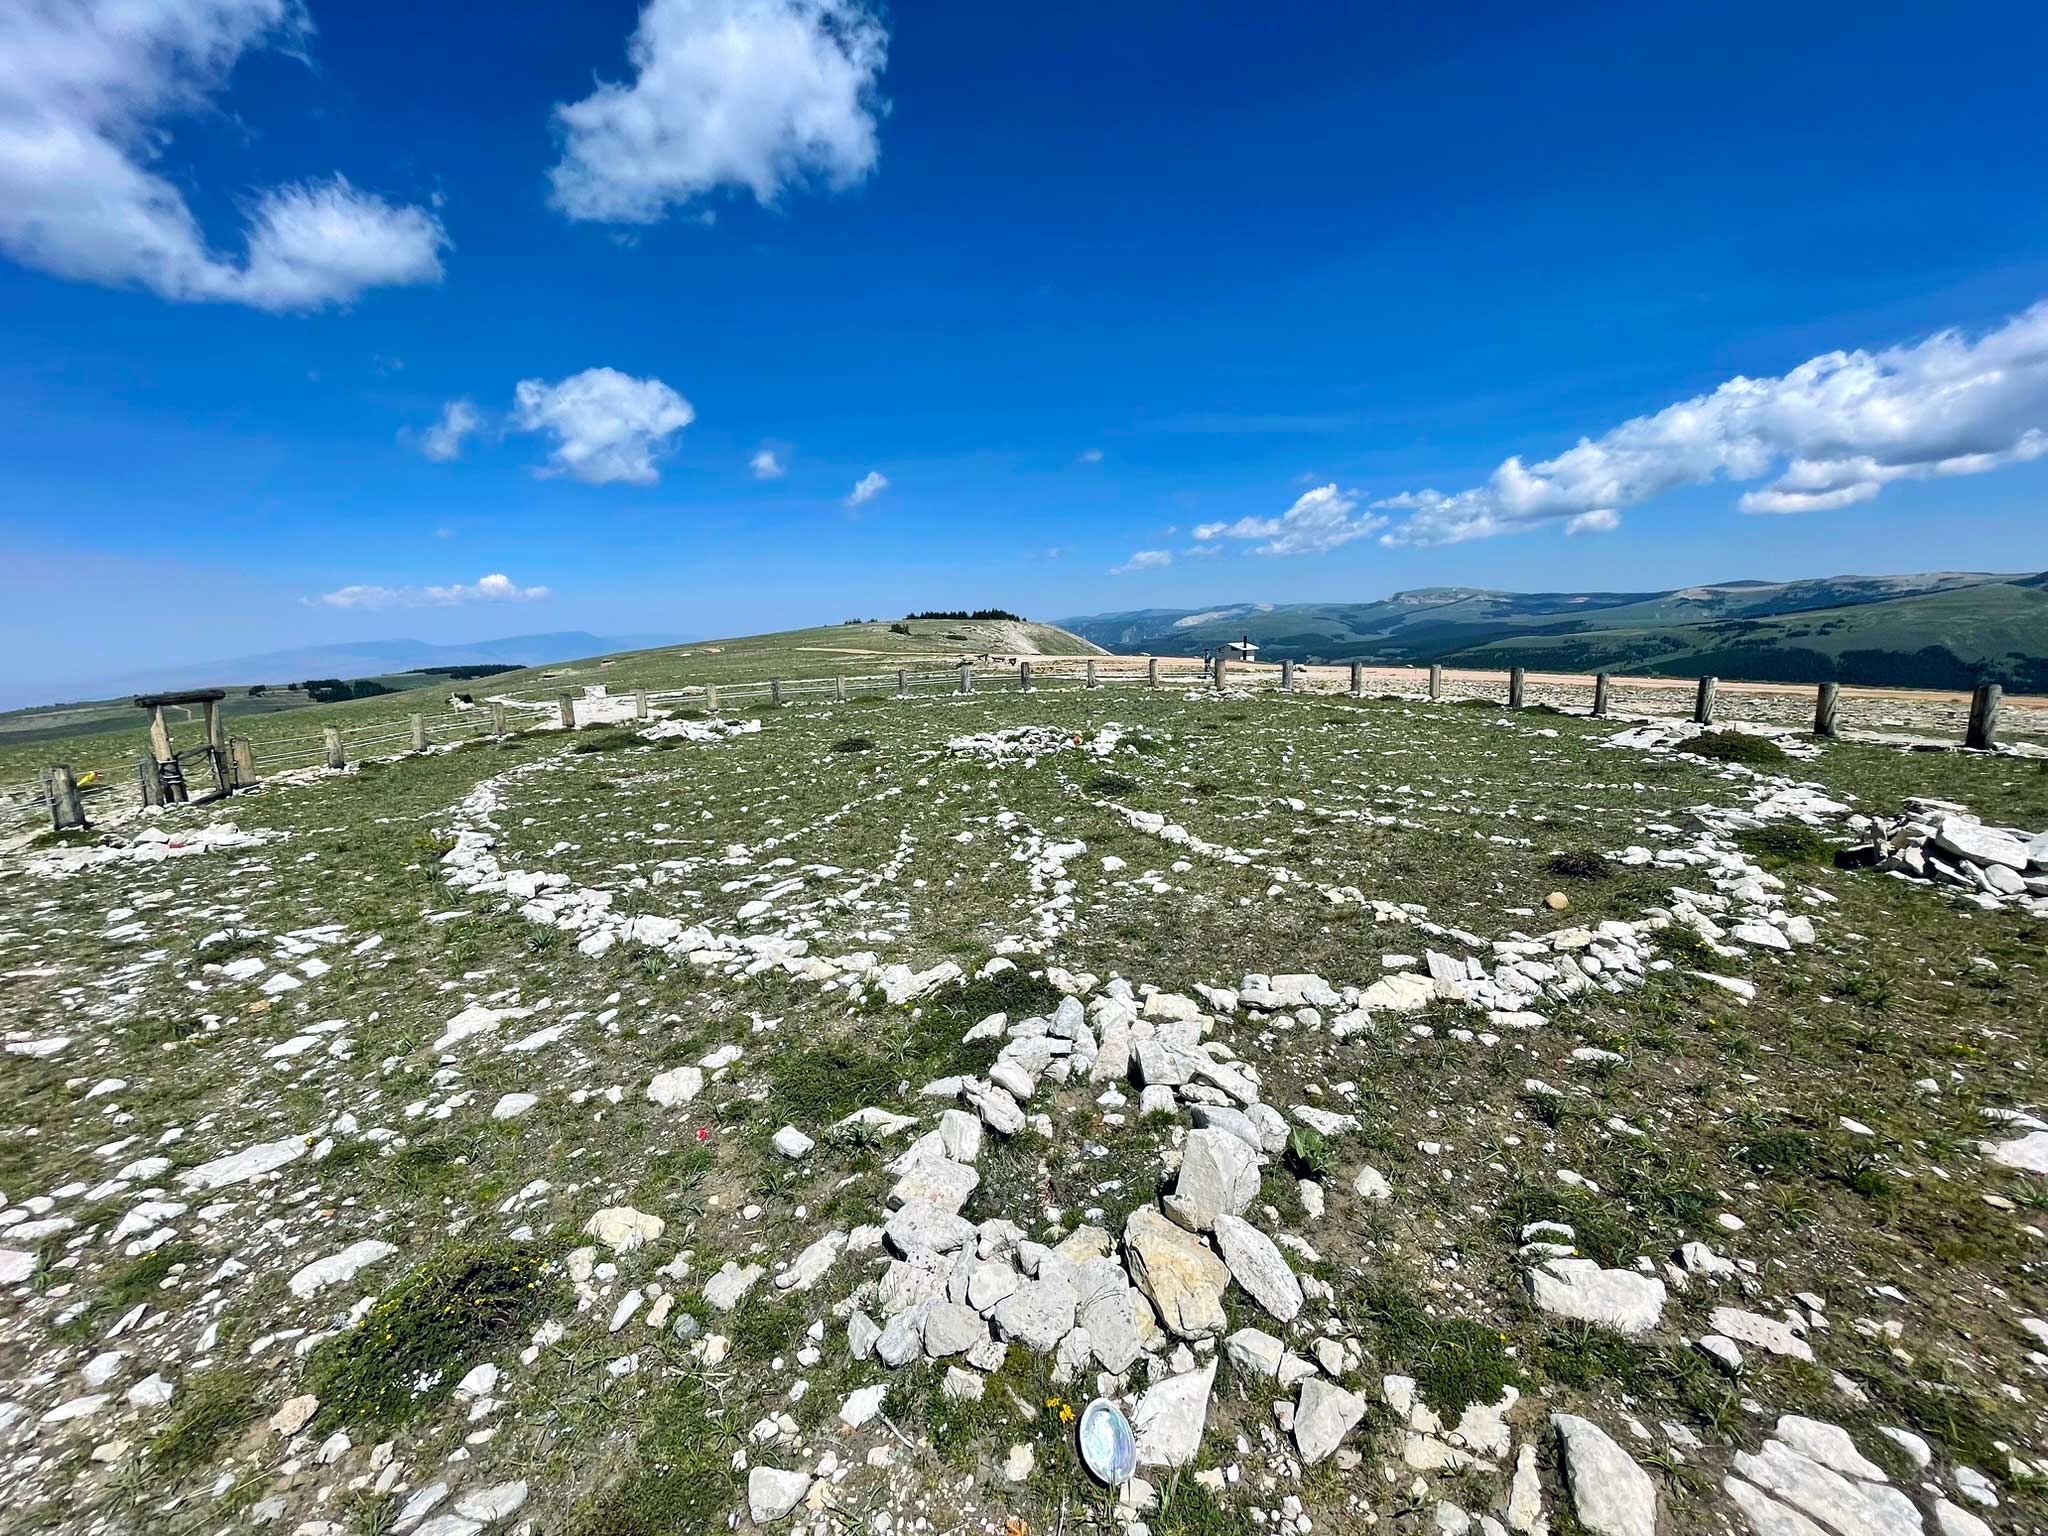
pixel 1938 629
pixel 107 733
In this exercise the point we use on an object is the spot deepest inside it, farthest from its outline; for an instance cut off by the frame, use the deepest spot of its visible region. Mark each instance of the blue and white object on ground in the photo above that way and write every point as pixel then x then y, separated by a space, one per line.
pixel 1108 1449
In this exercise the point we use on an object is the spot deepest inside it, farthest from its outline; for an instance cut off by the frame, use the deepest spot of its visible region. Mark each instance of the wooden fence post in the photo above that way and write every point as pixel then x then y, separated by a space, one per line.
pixel 1091 672
pixel 1984 706
pixel 841 681
pixel 1024 676
pixel 1827 709
pixel 711 698
pixel 639 703
pixel 245 761
pixel 1436 681
pixel 331 738
pixel 159 734
pixel 419 733
pixel 1358 679
pixel 1220 665
pixel 966 677
pixel 223 773
pixel 775 693
pixel 1703 702
pixel 152 780
pixel 497 720
pixel 1516 677
pixel 216 731
pixel 1287 677
pixel 1152 671
pixel 66 809
pixel 567 701
pixel 902 682
pixel 1599 695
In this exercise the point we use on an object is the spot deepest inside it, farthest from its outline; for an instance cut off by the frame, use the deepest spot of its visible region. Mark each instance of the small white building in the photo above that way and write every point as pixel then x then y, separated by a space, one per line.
pixel 1241 650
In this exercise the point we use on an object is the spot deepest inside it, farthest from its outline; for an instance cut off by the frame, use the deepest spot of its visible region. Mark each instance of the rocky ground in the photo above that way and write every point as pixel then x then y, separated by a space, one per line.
pixel 1429 1118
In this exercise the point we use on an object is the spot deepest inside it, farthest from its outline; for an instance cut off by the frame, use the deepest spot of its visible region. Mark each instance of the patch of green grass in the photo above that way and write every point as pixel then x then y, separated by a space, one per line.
pixel 212 1409
pixel 228 946
pixel 1455 1361
pixel 607 741
pixel 465 1301
pixel 1787 842
pixel 854 744
pixel 1735 747
pixel 1687 947
pixel 138 1281
pixel 678 1476
pixel 1110 785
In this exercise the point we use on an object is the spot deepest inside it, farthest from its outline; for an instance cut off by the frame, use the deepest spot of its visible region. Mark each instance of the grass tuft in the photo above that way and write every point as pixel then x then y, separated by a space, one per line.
pixel 463 1302
pixel 1735 747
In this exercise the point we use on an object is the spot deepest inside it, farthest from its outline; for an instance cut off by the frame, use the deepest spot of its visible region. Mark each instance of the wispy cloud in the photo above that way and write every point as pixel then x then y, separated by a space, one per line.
pixel 1088 456
pixel 608 427
pixel 85 92
pixel 765 465
pixel 1144 560
pixel 495 588
pixel 442 442
pixel 757 94
pixel 1320 520
pixel 867 488
pixel 1835 431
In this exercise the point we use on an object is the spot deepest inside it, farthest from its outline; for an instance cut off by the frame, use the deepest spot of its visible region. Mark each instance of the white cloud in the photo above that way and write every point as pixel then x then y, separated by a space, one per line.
pixel 867 488
pixel 86 87
pixel 442 442
pixel 607 426
pixel 1320 520
pixel 1089 456
pixel 1203 551
pixel 1601 520
pixel 760 94
pixel 495 588
pixel 1837 429
pixel 764 465
pixel 1144 560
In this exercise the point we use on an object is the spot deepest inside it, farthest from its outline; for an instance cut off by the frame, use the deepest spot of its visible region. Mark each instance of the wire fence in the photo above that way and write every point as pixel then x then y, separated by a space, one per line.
pixel 110 794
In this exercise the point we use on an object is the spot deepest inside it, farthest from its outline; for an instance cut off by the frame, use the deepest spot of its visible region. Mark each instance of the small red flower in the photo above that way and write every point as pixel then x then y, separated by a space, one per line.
pixel 703 1133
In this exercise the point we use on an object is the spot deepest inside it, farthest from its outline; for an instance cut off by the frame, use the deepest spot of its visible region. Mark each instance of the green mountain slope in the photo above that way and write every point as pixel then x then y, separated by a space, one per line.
pixel 1938 628
pixel 1949 639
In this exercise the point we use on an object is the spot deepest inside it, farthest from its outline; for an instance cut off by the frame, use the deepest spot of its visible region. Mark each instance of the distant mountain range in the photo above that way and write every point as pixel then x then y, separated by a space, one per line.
pixel 359 658
pixel 1940 629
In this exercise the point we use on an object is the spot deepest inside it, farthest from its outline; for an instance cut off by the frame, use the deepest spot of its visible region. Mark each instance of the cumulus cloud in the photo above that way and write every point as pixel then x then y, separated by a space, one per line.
pixel 86 88
pixel 754 94
pixel 442 442
pixel 867 488
pixel 607 426
pixel 495 588
pixel 1320 520
pixel 1144 560
pixel 764 465
pixel 1835 430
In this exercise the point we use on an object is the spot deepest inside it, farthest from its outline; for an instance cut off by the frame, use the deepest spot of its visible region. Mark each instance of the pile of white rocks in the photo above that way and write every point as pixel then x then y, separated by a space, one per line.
pixel 1025 744
pixel 152 845
pixel 1941 841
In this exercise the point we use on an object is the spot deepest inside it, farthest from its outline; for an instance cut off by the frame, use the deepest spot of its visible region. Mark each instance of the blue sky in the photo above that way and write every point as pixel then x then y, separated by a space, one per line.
pixel 1078 283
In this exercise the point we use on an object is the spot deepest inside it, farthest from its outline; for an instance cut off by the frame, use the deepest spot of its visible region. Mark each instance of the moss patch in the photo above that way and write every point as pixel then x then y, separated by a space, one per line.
pixel 460 1304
